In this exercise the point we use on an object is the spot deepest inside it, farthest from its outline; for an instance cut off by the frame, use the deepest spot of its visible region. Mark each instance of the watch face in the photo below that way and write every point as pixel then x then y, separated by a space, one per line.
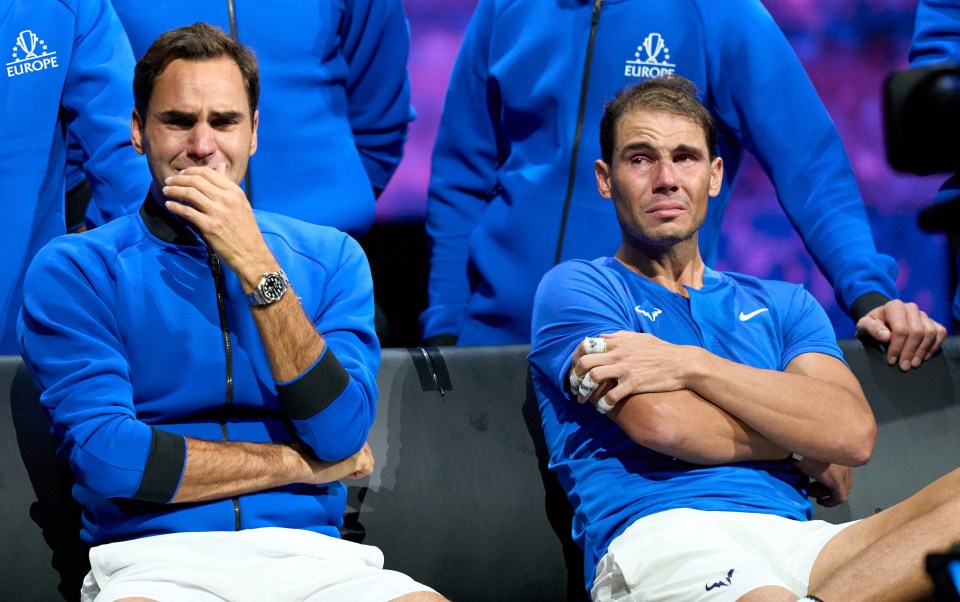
pixel 273 287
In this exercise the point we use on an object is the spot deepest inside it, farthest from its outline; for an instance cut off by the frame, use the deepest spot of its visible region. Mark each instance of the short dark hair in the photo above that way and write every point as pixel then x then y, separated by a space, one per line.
pixel 670 94
pixel 197 42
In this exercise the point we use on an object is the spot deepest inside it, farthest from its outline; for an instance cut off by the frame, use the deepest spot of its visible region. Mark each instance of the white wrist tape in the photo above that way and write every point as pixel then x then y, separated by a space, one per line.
pixel 602 406
pixel 594 345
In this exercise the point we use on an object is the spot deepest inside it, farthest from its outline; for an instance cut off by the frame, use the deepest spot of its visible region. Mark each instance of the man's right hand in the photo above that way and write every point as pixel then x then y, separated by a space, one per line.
pixel 218 208
pixel 363 463
pixel 911 336
pixel 357 466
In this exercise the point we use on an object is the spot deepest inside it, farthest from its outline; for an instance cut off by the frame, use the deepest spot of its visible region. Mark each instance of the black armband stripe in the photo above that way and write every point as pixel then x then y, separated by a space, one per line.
pixel 164 467
pixel 316 389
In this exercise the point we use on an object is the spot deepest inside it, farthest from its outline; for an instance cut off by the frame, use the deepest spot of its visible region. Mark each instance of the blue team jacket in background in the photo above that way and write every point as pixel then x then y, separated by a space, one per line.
pixel 67 61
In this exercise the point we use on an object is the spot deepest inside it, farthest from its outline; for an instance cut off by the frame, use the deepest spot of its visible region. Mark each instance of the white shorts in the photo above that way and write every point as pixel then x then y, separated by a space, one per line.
pixel 255 564
pixel 695 555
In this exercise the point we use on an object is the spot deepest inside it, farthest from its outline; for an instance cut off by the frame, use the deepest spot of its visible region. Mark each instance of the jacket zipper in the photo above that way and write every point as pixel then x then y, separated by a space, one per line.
pixel 228 352
pixel 231 11
pixel 584 86
pixel 232 16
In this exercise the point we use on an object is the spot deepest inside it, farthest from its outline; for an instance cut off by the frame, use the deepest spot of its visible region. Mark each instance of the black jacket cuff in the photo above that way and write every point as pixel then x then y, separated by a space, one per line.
pixel 867 303
pixel 316 389
pixel 164 467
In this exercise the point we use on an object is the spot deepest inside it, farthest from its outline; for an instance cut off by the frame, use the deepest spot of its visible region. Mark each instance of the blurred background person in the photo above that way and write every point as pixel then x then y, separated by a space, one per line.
pixel 70 63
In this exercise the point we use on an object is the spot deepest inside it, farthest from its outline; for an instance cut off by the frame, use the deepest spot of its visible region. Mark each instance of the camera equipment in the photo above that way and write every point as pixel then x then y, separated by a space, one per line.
pixel 922 127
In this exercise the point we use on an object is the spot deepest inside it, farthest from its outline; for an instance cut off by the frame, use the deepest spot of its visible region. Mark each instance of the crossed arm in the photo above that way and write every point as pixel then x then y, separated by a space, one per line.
pixel 688 403
pixel 217 470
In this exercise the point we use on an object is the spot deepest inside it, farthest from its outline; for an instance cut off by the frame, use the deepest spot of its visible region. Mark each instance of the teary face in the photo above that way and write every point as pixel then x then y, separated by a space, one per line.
pixel 660 179
pixel 198 115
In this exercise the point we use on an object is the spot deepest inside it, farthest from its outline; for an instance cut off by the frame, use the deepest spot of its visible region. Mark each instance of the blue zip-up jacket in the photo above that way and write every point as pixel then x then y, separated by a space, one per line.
pixel 936 39
pixel 66 61
pixel 334 96
pixel 503 163
pixel 137 338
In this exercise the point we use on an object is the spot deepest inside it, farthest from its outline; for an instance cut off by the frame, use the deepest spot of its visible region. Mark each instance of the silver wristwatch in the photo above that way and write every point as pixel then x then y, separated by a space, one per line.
pixel 271 288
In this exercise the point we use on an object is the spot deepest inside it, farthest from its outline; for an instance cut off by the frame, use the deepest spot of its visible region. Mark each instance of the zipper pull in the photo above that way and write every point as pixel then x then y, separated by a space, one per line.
pixel 597 5
pixel 214 262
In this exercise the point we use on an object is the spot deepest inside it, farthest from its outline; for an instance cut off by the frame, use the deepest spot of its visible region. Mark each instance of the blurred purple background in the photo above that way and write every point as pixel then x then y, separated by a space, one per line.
pixel 848 49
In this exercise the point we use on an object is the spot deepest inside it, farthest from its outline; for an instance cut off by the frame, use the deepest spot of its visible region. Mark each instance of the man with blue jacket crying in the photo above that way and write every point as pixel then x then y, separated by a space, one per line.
pixel 687 410
pixel 209 369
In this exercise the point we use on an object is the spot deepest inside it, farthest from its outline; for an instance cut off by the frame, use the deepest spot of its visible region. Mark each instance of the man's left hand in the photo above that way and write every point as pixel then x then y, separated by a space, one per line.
pixel 830 484
pixel 910 335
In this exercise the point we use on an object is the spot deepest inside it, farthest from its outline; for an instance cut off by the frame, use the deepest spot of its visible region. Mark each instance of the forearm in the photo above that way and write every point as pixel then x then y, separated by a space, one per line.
pixel 683 425
pixel 824 417
pixel 97 94
pixel 375 44
pixel 330 411
pixel 217 470
pixel 218 209
pixel 290 339
pixel 464 174
pixel 452 216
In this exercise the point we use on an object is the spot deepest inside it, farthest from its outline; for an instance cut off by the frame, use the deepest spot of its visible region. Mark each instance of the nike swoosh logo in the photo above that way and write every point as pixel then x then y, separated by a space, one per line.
pixel 744 317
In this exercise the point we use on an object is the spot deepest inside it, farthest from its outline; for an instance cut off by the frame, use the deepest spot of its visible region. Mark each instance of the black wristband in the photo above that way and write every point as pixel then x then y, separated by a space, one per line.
pixel 812 597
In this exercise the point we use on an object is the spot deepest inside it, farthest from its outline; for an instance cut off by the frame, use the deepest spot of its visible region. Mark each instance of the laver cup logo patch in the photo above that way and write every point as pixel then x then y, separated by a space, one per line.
pixel 30 55
pixel 652 58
